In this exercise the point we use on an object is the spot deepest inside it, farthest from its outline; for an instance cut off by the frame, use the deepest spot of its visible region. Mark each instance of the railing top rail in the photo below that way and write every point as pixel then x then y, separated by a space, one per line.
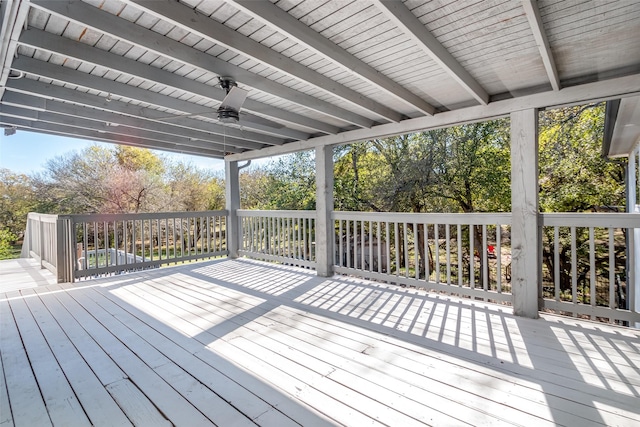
pixel 42 217
pixel 141 216
pixel 429 218
pixel 592 219
pixel 276 213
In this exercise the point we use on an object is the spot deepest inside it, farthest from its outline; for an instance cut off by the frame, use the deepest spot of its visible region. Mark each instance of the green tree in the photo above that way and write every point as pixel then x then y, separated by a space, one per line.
pixel 7 239
pixel 193 189
pixel 17 199
pixel 293 183
pixel 574 176
pixel 136 159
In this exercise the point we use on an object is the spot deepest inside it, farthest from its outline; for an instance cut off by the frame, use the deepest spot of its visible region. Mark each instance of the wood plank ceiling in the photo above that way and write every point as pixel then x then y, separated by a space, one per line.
pixel 146 72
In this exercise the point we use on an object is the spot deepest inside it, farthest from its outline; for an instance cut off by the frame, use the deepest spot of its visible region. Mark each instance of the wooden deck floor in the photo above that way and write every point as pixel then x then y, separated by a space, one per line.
pixel 23 273
pixel 240 342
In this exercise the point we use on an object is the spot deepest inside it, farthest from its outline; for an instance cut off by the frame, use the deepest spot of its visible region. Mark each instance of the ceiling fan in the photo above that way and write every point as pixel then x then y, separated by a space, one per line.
pixel 229 109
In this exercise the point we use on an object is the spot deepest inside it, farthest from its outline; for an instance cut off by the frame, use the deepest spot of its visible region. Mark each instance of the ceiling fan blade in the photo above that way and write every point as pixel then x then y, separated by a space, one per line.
pixel 234 99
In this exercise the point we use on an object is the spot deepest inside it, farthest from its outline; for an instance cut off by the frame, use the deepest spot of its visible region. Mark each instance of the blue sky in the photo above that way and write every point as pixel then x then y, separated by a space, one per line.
pixel 27 152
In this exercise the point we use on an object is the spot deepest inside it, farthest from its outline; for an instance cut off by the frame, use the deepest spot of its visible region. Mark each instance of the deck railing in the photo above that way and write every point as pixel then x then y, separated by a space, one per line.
pixel 45 242
pixel 463 254
pixel 284 236
pixel 125 242
pixel 76 246
pixel 587 265
pixel 466 254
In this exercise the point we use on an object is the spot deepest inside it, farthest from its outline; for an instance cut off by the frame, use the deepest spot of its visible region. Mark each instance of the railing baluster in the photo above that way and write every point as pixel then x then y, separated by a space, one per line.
pixel 499 258
pixel 472 258
pixel 447 236
pixel 348 243
pixel 95 242
pixel 574 275
pixel 362 246
pixel 485 263
pixel 612 273
pixel 427 258
pixel 379 246
pixel 460 271
pixel 342 261
pixel 436 236
pixel 397 247
pixel 556 262
pixel 416 250
pixel 592 271
pixel 405 246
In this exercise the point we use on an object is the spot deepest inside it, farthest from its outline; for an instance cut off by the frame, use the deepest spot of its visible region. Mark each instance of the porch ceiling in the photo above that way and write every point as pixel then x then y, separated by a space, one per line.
pixel 145 72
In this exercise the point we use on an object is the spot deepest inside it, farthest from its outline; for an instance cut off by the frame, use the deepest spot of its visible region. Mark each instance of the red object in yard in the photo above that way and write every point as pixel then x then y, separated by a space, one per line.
pixel 491 251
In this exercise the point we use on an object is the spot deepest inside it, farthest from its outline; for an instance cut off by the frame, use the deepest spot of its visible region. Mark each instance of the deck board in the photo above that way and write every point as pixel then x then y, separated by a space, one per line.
pixel 240 342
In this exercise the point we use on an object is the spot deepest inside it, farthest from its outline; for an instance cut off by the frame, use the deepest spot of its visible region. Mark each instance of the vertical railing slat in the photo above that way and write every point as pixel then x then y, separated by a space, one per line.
pixel 612 272
pixel 499 258
pixel 574 275
pixel 447 236
pixel 592 271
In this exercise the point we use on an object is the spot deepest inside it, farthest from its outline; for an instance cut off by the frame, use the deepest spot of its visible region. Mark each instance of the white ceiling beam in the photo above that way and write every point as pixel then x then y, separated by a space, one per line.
pixel 286 24
pixel 605 90
pixel 194 22
pixel 191 127
pixel 102 127
pixel 537 27
pixel 227 144
pixel 87 15
pixel 409 24
pixel 52 43
pixel 16 13
pixel 49 128
pixel 89 81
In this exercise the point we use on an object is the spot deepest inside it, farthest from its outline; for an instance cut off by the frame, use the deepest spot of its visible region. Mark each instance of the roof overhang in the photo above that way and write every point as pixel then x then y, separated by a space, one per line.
pixel 146 73
pixel 622 127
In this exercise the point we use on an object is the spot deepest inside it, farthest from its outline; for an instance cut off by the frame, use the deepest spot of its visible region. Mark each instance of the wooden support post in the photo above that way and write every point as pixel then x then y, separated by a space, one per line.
pixel 65 259
pixel 324 207
pixel 525 230
pixel 633 236
pixel 232 193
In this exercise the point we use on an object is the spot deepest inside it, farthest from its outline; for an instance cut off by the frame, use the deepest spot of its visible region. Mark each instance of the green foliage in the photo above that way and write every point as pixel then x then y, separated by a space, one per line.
pixel 465 168
pixel 108 180
pixel 137 159
pixel 7 239
pixel 17 199
pixel 254 189
pixel 574 177
pixel 292 182
pixel 193 189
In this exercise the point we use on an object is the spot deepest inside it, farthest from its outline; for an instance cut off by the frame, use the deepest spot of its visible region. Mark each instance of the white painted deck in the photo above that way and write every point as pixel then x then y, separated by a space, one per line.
pixel 23 273
pixel 239 342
